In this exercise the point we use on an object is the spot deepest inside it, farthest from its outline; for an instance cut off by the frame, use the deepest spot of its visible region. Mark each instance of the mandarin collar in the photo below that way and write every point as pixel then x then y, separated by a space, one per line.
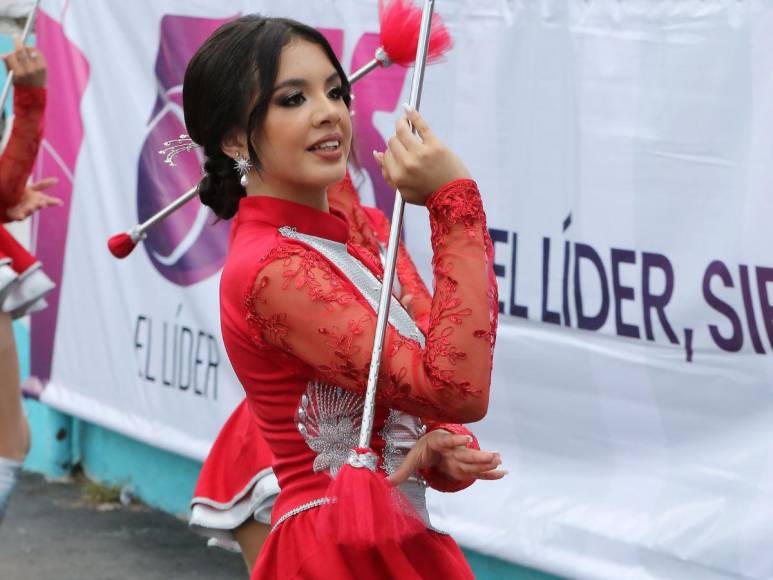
pixel 280 212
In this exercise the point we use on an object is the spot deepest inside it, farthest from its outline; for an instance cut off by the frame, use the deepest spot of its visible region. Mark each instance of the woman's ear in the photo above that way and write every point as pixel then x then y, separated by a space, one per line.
pixel 235 144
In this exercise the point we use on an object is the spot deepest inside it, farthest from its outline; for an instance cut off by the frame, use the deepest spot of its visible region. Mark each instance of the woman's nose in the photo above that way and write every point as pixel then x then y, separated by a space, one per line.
pixel 328 112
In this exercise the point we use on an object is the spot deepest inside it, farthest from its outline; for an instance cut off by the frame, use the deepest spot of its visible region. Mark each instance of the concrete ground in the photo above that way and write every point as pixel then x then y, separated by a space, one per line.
pixel 66 531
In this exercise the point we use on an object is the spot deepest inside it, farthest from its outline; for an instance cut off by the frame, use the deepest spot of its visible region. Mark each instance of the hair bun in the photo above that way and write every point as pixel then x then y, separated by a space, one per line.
pixel 220 189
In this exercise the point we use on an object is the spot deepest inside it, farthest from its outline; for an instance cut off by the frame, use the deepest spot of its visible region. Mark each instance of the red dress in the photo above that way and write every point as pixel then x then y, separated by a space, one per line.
pixel 297 314
pixel 22 282
pixel 236 481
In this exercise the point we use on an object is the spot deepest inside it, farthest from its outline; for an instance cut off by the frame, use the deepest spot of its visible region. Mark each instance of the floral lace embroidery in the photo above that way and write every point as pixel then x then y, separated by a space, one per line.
pixel 370 229
pixel 359 275
pixel 456 203
pixel 410 281
pixel 301 273
pixel 460 203
pixel 343 197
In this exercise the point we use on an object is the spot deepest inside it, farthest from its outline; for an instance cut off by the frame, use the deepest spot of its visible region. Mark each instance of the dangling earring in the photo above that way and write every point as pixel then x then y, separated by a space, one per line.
pixel 242 166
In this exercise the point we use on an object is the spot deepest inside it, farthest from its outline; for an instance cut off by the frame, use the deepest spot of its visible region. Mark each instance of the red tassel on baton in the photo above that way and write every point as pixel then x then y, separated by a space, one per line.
pixel 367 510
pixel 121 245
pixel 400 23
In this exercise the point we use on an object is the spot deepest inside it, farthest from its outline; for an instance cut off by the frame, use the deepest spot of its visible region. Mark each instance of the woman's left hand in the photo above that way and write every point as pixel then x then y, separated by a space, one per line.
pixel 449 454
pixel 34 199
pixel 27 64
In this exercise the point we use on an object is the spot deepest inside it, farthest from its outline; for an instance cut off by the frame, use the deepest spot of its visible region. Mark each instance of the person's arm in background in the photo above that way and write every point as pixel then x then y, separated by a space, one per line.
pixel 17 200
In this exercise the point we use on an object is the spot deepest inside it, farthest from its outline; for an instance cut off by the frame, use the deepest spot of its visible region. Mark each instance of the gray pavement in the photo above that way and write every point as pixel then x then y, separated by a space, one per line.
pixel 53 531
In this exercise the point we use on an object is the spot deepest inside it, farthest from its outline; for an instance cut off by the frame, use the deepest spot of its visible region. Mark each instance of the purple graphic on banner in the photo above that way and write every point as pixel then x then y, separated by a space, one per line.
pixel 185 248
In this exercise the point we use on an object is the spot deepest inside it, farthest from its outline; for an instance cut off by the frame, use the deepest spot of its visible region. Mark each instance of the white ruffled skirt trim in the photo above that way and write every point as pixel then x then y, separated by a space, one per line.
pixel 22 294
pixel 217 520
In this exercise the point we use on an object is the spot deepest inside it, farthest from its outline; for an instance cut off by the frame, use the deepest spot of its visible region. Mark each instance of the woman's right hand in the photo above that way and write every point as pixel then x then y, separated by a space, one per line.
pixel 418 165
pixel 27 64
pixel 448 454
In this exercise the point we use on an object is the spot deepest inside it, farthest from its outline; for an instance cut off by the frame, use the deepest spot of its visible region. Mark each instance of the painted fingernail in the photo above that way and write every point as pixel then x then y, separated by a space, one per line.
pixel 408 108
pixel 375 154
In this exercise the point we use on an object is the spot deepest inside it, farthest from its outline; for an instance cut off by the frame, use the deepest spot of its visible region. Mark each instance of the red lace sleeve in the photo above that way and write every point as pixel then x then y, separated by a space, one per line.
pixel 19 155
pixel 411 284
pixel 369 227
pixel 304 306
pixel 344 198
pixel 439 480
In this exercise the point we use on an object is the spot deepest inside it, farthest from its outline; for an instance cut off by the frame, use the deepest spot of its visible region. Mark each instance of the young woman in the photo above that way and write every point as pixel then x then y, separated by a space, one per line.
pixel 22 282
pixel 297 294
pixel 237 488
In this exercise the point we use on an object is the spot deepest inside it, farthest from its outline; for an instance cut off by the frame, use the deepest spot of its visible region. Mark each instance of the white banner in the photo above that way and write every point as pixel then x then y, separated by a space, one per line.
pixel 625 152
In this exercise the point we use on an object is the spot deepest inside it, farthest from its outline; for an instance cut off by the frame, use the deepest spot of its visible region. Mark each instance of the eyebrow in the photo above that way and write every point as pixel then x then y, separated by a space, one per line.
pixel 303 82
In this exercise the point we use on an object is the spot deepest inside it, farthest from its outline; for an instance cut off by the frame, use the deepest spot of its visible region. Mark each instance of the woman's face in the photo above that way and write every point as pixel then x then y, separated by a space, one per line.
pixel 305 139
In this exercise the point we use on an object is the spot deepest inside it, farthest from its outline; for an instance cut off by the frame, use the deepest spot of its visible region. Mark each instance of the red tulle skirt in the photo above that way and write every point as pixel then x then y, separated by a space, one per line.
pixel 293 551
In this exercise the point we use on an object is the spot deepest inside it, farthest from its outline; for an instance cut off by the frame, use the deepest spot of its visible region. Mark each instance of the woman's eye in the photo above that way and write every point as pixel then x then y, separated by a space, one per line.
pixel 336 93
pixel 293 100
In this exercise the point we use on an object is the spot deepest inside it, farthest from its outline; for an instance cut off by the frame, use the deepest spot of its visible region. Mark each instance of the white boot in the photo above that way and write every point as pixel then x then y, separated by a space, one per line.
pixel 9 474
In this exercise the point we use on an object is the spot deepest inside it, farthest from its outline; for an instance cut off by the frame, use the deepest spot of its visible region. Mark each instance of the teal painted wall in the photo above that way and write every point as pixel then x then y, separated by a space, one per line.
pixel 161 479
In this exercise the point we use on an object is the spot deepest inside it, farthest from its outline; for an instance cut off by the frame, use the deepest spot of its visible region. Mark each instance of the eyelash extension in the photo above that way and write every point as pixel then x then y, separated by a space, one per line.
pixel 292 100
pixel 289 100
pixel 343 94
